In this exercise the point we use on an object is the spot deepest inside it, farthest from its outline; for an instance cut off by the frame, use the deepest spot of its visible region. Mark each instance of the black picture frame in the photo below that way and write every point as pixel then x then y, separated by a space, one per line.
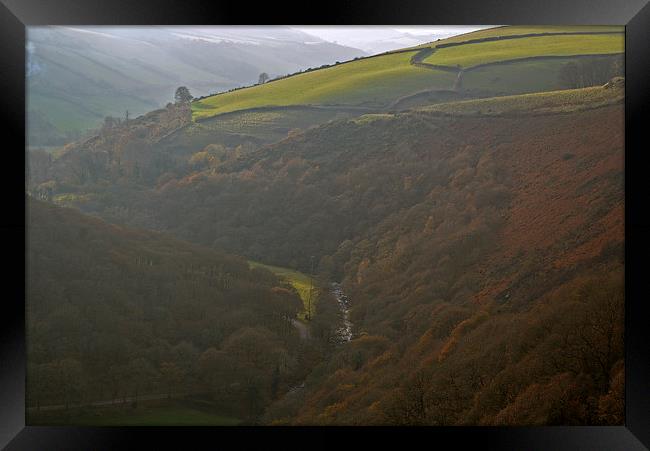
pixel 15 15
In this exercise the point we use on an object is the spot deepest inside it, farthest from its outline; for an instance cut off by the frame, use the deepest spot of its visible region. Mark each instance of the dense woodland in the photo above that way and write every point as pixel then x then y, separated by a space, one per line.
pixel 115 312
pixel 483 253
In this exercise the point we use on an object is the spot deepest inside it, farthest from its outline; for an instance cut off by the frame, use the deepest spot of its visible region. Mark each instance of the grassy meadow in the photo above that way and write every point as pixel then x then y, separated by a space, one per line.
pixel 379 81
pixel 299 281
pixel 371 81
pixel 469 55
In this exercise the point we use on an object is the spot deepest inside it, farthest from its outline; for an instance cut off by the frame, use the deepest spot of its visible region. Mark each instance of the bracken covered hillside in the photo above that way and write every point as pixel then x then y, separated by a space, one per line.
pixel 489 290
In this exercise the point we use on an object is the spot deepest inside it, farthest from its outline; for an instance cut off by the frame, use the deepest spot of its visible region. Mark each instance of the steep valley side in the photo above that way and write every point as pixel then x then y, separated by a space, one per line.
pixel 480 252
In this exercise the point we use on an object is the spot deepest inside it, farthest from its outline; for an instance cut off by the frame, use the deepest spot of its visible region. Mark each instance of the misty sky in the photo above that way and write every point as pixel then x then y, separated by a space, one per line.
pixel 385 37
pixel 370 39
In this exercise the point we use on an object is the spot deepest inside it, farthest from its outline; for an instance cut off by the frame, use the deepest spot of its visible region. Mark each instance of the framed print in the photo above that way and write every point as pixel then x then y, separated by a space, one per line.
pixel 238 224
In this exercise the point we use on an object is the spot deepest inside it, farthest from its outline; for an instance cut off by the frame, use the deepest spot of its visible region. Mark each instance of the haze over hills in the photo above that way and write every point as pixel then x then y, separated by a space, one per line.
pixel 77 76
pixel 460 204
pixel 379 39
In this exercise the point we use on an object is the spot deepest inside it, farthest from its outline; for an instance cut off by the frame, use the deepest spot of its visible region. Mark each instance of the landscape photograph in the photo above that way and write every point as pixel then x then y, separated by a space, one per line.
pixel 325 225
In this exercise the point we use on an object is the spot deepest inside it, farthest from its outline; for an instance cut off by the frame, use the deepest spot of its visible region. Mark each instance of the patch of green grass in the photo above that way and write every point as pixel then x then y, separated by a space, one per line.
pixel 302 283
pixel 542 102
pixel 469 55
pixel 371 81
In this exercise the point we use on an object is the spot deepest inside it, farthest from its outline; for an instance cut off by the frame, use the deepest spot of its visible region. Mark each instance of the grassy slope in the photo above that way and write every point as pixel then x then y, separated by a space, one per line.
pixel 469 55
pixel 380 80
pixel 299 281
pixel 368 81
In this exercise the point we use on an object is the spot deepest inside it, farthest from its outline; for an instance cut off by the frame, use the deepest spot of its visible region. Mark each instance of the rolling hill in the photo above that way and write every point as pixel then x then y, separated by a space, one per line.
pixel 370 81
pixel 380 80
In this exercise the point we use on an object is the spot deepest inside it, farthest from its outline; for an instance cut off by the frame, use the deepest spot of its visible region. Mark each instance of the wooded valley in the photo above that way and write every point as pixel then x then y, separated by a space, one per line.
pixel 475 225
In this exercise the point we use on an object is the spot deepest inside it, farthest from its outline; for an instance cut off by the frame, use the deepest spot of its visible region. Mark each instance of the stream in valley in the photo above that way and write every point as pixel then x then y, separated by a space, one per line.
pixel 344 332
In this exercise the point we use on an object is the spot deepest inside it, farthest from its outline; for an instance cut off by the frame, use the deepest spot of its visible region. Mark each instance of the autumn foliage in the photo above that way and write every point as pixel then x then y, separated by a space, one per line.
pixel 483 255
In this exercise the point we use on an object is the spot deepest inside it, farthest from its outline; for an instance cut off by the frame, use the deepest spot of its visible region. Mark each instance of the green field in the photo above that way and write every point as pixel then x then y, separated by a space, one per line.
pixel 371 82
pixel 176 415
pixel 299 281
pixel 469 55
pixel 379 81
